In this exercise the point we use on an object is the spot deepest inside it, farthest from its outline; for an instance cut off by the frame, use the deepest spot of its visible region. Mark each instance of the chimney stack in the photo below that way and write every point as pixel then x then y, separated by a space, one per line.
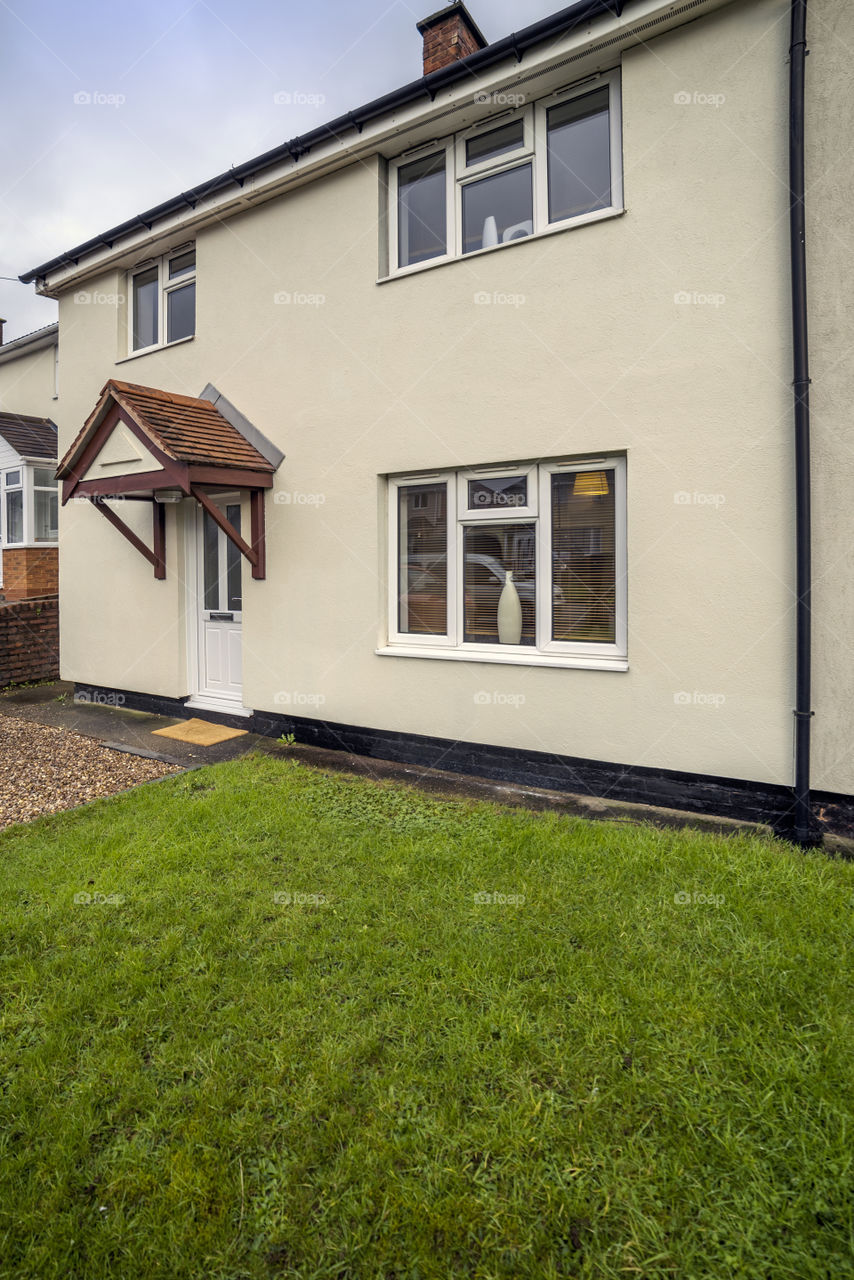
pixel 449 35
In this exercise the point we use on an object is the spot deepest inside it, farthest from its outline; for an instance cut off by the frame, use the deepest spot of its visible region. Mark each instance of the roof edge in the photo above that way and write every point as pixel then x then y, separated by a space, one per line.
pixel 427 86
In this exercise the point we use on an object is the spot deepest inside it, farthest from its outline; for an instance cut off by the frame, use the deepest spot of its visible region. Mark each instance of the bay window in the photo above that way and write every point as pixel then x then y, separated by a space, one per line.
pixel 535 169
pixel 521 564
pixel 163 300
pixel 30 505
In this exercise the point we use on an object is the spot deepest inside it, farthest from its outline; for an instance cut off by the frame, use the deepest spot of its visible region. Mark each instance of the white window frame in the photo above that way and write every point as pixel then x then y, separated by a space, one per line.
pixel 535 152
pixel 615 120
pixel 410 157
pixel 545 652
pixel 41 488
pixel 165 286
pixel 474 515
pixel 20 486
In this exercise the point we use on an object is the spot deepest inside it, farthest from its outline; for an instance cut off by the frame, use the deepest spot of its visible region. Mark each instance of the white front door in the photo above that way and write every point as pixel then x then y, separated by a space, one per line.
pixel 220 609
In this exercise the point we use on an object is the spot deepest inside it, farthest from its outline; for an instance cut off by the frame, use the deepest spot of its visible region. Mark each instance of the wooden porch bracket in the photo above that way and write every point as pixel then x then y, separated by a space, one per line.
pixel 258 532
pixel 157 557
pixel 228 529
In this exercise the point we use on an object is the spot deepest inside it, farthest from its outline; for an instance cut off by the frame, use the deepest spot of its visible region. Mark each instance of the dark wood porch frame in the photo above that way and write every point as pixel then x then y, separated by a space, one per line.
pixel 184 476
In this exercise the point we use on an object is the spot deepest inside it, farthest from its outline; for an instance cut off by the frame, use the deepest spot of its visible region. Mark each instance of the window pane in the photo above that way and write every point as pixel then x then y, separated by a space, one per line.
pixel 45 515
pixel 180 265
pixel 423 568
pixel 510 491
pixel 44 477
pixel 13 478
pixel 579 149
pixel 145 287
pixel 211 557
pixel 497 142
pixel 498 209
pixel 15 516
pixel 422 210
pixel 181 313
pixel 583 558
pixel 490 550
pixel 232 561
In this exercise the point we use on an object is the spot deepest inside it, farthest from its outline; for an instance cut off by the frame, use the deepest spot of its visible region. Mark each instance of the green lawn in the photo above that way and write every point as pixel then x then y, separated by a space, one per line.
pixel 285 1037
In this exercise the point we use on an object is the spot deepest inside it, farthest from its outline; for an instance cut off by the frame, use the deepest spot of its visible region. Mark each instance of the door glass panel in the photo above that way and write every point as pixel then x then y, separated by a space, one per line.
pixel 490 550
pixel 211 558
pixel 232 561
pixel 498 209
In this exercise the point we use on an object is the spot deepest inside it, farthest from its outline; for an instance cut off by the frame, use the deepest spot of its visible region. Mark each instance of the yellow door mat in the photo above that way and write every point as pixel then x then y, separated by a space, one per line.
pixel 200 732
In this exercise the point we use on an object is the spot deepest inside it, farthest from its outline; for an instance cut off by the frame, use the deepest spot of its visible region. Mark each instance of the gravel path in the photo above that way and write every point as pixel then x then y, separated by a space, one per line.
pixel 43 769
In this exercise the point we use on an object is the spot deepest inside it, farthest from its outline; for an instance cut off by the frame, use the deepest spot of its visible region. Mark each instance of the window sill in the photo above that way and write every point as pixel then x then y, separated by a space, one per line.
pixel 161 346
pixel 434 263
pixel 583 662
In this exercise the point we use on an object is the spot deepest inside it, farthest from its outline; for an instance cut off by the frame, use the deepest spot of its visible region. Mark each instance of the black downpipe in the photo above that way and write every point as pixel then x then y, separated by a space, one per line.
pixel 805 832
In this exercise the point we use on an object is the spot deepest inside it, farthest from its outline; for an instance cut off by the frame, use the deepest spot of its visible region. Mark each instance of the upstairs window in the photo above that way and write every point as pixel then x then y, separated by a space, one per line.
pixel 545 166
pixel 163 300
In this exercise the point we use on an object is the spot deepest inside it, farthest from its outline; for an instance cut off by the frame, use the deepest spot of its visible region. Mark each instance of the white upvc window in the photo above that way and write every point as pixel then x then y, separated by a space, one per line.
pixel 29 514
pixel 517 563
pixel 163 300
pixel 542 167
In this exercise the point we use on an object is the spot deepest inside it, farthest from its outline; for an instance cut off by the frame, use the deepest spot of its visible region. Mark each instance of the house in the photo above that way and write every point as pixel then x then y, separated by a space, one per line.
pixel 28 457
pixel 528 318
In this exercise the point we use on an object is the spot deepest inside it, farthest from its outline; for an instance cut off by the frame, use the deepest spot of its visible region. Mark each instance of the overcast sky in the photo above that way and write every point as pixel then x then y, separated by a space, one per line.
pixel 169 93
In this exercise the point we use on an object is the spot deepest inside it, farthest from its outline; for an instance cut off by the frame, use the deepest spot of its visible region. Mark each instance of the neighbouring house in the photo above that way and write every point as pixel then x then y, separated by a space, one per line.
pixel 29 516
pixel 461 429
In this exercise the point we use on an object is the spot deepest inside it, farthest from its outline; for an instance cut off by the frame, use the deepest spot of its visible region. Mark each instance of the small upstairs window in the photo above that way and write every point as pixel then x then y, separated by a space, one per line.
pixel 163 300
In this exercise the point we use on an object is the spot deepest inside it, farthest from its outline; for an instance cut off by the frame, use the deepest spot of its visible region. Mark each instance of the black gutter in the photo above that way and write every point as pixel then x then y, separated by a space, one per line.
pixel 805 833
pixel 514 45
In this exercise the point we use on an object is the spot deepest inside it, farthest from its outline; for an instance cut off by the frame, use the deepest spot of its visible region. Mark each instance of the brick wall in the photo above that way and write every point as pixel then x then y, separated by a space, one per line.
pixel 447 41
pixel 30 571
pixel 29 640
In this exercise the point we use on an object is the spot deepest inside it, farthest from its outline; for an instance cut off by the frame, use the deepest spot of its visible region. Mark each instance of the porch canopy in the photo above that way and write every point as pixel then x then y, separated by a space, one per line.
pixel 144 445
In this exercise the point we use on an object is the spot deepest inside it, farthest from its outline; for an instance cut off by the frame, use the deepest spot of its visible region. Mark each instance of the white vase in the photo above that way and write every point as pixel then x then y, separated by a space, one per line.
pixel 490 233
pixel 509 612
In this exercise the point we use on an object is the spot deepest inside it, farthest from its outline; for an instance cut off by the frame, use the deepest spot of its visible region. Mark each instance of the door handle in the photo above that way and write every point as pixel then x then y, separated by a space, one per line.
pixel 222 617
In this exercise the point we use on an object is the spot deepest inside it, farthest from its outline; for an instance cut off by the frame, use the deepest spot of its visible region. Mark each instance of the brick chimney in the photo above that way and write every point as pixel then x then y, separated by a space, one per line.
pixel 449 35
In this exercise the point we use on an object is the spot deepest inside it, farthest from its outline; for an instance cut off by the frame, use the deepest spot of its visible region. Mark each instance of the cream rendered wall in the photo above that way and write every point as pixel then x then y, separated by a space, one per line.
pixel 28 383
pixel 414 374
pixel 830 261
